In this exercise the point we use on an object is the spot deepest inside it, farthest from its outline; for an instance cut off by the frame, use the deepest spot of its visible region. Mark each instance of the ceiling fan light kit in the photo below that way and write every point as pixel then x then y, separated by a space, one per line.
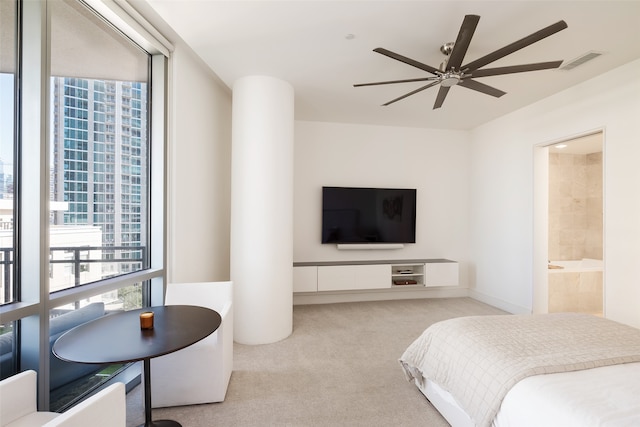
pixel 450 79
pixel 452 72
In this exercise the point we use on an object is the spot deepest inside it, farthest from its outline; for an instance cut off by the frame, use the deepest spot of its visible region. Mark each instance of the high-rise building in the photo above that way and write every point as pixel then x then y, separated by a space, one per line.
pixel 99 164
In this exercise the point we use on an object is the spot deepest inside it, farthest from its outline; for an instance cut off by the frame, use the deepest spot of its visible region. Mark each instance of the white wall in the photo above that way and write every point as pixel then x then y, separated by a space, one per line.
pixel 435 162
pixel 199 158
pixel 502 183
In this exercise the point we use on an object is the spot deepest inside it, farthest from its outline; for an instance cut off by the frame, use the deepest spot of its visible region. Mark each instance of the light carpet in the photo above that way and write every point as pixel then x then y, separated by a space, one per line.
pixel 339 367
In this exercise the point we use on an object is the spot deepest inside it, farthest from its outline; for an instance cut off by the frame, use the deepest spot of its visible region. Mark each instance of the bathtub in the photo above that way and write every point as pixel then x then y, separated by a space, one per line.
pixel 575 266
pixel 576 286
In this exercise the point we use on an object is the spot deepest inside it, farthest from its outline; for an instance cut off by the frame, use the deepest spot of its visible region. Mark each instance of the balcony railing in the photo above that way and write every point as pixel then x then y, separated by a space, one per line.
pixel 6 264
pixel 112 260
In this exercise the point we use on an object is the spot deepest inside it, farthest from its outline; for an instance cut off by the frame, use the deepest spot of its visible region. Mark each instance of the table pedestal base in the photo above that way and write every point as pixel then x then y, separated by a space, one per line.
pixel 161 423
pixel 146 367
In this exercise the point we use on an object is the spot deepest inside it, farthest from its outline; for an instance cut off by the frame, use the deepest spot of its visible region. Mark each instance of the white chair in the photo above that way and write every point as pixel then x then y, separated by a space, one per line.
pixel 18 407
pixel 199 373
pixel 107 408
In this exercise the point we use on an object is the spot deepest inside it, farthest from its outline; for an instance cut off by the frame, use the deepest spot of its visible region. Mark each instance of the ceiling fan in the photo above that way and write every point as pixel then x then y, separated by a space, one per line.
pixel 453 73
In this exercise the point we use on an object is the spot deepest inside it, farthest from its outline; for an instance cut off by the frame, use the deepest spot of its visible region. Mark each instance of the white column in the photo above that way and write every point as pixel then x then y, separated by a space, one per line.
pixel 262 209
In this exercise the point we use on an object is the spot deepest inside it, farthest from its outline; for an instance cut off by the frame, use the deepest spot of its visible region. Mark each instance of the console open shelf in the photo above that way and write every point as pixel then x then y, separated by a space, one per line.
pixel 407 274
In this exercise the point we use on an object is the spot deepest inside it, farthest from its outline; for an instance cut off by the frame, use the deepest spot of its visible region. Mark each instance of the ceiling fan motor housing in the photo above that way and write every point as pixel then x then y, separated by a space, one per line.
pixel 447 48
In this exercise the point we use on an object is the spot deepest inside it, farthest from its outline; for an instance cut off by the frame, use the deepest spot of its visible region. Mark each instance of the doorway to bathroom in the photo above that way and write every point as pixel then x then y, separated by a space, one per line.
pixel 572 279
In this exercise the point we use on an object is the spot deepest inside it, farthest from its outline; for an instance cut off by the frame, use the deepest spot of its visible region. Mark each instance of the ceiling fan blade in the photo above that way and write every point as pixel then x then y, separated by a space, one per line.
pixel 422 79
pixel 408 61
pixel 481 87
pixel 461 45
pixel 515 69
pixel 442 94
pixel 413 92
pixel 515 46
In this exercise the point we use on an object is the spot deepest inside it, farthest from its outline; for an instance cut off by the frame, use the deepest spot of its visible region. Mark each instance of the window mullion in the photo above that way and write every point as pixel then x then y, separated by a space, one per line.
pixel 32 191
pixel 157 167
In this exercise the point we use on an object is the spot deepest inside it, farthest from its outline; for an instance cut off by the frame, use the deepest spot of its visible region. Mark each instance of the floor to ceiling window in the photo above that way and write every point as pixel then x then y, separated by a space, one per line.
pixel 98 142
pixel 76 156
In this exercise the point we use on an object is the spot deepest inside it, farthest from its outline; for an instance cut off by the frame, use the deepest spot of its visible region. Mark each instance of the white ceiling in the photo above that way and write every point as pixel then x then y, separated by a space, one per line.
pixel 307 44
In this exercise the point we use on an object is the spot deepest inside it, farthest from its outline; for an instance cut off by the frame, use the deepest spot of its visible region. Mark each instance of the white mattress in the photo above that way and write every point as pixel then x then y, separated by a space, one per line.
pixel 608 396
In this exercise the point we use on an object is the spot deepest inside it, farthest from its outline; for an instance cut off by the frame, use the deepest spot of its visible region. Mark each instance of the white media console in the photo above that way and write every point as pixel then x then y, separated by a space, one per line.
pixel 369 275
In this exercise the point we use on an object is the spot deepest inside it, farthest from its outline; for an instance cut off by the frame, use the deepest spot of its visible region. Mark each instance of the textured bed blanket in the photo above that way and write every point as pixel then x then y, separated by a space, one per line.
pixel 478 359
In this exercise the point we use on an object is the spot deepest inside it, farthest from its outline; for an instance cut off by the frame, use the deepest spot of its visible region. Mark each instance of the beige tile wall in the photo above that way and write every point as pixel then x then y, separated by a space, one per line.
pixel 593 244
pixel 575 206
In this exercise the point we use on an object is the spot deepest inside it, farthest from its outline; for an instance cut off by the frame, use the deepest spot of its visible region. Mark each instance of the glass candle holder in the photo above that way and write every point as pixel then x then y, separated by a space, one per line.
pixel 146 320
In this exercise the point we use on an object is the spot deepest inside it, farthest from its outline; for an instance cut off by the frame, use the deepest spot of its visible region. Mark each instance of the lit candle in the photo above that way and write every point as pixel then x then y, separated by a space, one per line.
pixel 146 320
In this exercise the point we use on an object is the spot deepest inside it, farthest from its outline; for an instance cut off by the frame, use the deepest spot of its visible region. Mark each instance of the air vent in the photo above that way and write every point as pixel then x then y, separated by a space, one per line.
pixel 580 60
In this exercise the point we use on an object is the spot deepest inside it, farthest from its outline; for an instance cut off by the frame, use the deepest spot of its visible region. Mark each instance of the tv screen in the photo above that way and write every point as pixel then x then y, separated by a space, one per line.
pixel 368 215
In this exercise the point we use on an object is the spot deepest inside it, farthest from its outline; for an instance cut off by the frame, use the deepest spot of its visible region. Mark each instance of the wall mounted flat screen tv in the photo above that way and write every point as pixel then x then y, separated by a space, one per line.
pixel 368 215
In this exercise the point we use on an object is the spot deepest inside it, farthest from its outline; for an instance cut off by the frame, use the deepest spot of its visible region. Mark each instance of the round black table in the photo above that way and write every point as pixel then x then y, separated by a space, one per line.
pixel 117 338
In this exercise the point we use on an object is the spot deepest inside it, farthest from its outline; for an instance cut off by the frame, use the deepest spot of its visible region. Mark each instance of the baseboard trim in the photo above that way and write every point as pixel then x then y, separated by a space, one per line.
pixel 307 298
pixel 498 303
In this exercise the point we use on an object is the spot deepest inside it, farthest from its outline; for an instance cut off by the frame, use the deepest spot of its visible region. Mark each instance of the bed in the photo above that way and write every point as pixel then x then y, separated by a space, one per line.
pixel 561 369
